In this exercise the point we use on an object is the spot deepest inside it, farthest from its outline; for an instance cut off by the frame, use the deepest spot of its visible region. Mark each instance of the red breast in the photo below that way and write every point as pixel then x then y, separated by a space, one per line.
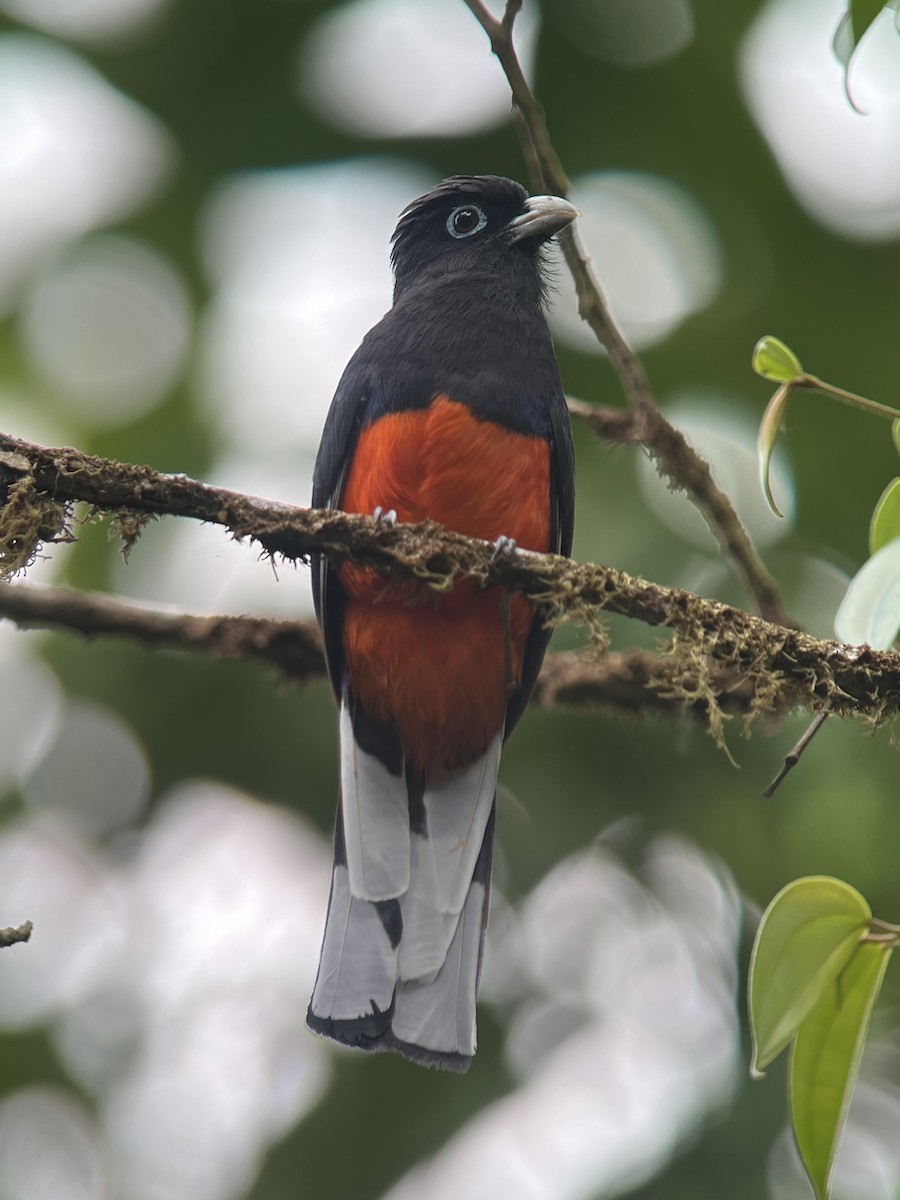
pixel 436 666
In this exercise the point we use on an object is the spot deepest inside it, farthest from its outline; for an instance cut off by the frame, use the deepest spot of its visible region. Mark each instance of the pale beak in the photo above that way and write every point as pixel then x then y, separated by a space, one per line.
pixel 543 216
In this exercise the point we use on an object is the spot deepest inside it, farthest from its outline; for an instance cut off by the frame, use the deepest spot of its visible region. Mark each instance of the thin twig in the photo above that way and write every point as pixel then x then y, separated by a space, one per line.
pixel 632 683
pixel 793 756
pixel 14 935
pixel 294 648
pixel 687 471
pixel 675 457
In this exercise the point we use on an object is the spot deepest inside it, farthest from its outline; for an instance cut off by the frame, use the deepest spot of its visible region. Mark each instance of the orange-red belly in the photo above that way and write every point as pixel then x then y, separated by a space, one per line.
pixel 434 666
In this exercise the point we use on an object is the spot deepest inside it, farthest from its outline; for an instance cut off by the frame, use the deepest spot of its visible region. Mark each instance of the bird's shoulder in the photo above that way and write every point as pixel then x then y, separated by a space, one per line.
pixel 457 337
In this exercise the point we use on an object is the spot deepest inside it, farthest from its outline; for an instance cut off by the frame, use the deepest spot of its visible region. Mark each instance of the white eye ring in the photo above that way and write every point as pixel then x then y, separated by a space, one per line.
pixel 458 222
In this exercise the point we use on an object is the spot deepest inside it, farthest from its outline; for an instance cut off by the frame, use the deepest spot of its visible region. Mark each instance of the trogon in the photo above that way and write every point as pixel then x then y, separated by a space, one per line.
pixel 451 409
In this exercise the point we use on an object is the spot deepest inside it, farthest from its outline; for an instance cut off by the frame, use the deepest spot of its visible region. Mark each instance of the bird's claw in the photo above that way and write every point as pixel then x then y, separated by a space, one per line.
pixel 385 516
pixel 503 547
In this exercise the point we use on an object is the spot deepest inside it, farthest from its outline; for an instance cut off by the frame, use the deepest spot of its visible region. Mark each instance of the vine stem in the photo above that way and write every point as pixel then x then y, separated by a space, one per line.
pixel 676 459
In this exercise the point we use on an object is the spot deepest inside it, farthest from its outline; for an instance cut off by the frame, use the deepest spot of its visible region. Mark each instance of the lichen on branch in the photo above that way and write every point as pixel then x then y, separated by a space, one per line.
pixel 777 664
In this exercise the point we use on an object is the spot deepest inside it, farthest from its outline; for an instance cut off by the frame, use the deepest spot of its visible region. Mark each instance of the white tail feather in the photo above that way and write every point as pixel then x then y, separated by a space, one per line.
pixel 376 820
pixel 423 946
pixel 402 948
pixel 443 860
pixel 458 809
pixel 440 1016
pixel 358 965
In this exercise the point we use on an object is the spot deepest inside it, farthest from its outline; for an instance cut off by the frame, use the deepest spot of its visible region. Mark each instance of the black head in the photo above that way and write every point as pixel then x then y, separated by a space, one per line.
pixel 474 223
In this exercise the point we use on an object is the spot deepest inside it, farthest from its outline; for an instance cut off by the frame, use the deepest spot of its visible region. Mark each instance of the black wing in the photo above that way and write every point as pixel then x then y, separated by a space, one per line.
pixel 339 437
pixel 562 496
pixel 342 427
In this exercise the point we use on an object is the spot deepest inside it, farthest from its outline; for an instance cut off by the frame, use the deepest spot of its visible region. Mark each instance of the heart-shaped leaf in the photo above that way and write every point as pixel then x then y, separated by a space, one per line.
pixel 775 361
pixel 870 610
pixel 851 29
pixel 885 523
pixel 805 939
pixel 862 14
pixel 825 1060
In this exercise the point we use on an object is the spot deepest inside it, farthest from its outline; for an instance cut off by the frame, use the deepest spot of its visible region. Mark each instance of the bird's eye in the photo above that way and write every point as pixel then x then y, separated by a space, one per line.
pixel 465 221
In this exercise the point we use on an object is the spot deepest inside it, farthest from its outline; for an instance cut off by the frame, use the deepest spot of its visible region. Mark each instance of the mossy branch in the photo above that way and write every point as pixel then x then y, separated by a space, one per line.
pixel 293 648
pixel 778 665
pixel 633 683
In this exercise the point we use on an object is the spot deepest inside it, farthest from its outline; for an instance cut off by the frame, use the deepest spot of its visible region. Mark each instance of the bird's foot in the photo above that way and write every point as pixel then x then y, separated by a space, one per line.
pixel 385 516
pixel 503 548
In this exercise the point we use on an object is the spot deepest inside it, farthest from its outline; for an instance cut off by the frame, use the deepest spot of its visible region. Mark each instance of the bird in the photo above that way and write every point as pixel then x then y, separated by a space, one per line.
pixel 452 409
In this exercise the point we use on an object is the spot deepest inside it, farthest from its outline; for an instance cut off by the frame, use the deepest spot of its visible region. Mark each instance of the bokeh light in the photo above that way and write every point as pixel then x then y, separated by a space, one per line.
pixel 227 901
pixel 299 261
pixel 49 1148
pixel 107 328
pixel 842 166
pixel 31 706
pixel 22 410
pixel 173 969
pixel 62 883
pixel 188 566
pixel 95 770
pixel 655 250
pixel 813 589
pixel 625 1038
pixel 631 33
pixel 74 154
pixel 400 68
pixel 727 441
pixel 85 20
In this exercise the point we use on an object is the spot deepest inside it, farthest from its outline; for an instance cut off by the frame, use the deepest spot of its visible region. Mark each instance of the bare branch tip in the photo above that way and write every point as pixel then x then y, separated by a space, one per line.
pixel 794 755
pixel 485 19
pixel 16 935
pixel 513 8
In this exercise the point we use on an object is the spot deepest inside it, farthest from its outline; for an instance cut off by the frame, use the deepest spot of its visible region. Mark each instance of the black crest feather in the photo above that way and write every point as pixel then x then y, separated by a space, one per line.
pixel 421 240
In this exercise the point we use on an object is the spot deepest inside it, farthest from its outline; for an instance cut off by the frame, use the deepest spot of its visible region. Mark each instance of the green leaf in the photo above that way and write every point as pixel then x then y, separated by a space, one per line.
pixel 895 434
pixel 775 361
pixel 862 14
pixel 870 610
pixel 885 523
pixel 844 43
pixel 825 1060
pixel 852 27
pixel 805 939
pixel 767 437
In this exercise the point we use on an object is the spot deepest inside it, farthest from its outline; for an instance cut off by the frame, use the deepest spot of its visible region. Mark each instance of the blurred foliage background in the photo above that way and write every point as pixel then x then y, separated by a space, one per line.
pixel 196 198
